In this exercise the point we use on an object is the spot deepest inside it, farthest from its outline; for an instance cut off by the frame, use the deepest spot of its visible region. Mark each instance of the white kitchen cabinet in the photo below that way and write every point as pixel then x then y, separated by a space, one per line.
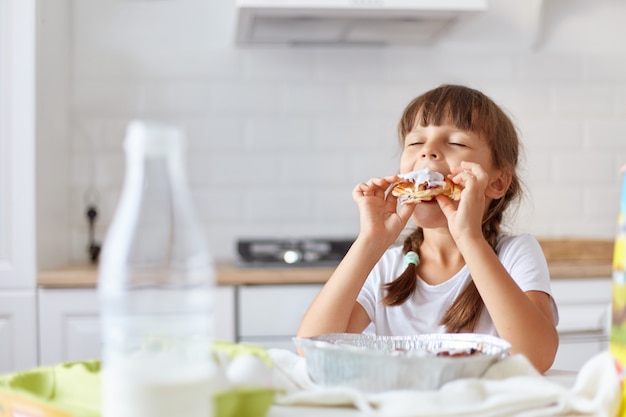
pixel 584 319
pixel 17 186
pixel 270 315
pixel 225 313
pixel 69 325
pixel 18 342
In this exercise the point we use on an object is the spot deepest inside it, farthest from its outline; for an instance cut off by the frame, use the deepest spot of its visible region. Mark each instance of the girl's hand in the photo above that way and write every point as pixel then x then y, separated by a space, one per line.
pixel 380 217
pixel 465 219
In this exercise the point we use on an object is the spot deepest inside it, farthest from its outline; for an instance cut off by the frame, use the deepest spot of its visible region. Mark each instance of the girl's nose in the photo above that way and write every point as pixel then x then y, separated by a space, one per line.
pixel 429 154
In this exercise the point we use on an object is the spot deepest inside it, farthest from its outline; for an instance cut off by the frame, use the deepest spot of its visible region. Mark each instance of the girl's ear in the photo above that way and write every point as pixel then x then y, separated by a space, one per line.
pixel 498 184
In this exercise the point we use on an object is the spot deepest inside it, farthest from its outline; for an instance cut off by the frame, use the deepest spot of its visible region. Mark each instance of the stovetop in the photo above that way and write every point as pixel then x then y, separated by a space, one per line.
pixel 307 252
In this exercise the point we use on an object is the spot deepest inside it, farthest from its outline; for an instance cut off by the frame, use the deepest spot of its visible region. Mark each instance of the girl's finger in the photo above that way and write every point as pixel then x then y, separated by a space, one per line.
pixel 405 211
pixel 360 188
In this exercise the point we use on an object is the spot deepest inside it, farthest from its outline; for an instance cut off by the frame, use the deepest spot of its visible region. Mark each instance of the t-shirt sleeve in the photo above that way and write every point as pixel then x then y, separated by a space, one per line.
pixel 523 258
pixel 385 270
pixel 368 295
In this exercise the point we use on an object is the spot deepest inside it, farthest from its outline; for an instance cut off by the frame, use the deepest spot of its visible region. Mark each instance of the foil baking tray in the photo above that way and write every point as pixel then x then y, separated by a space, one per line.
pixel 382 363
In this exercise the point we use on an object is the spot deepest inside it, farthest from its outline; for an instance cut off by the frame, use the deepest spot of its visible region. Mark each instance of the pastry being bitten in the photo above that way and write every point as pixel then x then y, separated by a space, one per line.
pixel 424 185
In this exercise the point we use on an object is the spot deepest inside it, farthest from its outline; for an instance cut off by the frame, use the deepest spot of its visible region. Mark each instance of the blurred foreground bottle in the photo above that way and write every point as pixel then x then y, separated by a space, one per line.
pixel 618 327
pixel 155 288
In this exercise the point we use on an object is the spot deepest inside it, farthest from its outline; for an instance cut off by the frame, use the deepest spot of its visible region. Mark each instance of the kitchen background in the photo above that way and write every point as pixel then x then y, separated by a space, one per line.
pixel 278 136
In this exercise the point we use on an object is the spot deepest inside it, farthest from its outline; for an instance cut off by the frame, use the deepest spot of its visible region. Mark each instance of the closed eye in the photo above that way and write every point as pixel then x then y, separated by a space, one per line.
pixel 414 143
pixel 460 140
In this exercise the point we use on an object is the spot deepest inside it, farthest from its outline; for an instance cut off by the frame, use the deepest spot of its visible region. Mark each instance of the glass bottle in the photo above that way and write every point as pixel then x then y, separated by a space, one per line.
pixel 155 287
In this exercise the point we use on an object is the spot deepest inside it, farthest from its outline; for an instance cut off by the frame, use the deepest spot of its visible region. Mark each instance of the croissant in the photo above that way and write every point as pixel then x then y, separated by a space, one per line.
pixel 424 185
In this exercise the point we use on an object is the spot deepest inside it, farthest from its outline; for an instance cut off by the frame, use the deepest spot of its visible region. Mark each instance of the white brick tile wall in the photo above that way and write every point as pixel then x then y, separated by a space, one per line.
pixel 519 99
pixel 620 101
pixel 334 203
pixel 175 99
pixel 312 170
pixel 418 65
pixel 323 99
pixel 599 201
pixel 355 65
pixel 241 169
pixel 220 204
pixel 540 135
pixel 285 203
pixel 343 134
pixel 573 168
pixel 547 67
pixel 363 166
pixel 260 65
pixel 109 134
pixel 476 65
pixel 105 98
pixel 382 100
pixel 605 134
pixel 591 99
pixel 536 168
pixel 214 134
pixel 239 98
pixel 278 137
pixel 603 67
pixel 278 134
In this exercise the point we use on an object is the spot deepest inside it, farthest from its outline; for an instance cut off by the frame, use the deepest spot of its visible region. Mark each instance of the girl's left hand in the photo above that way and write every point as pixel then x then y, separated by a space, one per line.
pixel 465 219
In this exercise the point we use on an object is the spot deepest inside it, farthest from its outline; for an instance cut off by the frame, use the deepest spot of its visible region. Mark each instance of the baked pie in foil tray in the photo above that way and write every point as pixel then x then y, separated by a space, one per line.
pixel 382 363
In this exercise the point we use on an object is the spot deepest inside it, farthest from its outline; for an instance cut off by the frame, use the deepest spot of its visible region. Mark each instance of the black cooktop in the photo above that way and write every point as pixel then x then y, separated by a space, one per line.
pixel 292 252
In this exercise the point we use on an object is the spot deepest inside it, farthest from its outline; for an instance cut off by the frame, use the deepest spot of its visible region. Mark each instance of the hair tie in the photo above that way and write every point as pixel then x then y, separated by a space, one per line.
pixel 411 258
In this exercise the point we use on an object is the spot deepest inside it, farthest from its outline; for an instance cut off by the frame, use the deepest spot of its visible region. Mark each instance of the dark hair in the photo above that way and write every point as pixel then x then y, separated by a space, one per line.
pixel 470 110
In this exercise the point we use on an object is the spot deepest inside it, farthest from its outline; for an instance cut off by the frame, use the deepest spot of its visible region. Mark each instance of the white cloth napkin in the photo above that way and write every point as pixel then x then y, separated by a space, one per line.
pixel 511 387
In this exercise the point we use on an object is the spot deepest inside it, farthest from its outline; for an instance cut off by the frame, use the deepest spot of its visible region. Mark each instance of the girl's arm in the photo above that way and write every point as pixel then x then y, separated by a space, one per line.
pixel 524 319
pixel 335 308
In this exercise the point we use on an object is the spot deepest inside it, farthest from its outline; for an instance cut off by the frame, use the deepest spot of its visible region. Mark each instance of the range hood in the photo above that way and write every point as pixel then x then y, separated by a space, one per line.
pixel 369 22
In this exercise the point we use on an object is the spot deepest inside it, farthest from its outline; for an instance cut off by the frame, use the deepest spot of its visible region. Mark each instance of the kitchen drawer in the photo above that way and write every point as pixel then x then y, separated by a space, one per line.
pixel 576 349
pixel 69 323
pixel 18 325
pixel 269 311
pixel 584 304
pixel 584 319
pixel 69 327
pixel 582 290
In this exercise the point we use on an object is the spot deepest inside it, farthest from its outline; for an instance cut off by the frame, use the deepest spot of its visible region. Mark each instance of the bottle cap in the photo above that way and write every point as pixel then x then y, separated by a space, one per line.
pixel 153 139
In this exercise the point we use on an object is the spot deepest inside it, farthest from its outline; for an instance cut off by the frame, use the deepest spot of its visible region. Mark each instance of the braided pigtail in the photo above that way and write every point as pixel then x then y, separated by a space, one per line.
pixel 464 312
pixel 403 287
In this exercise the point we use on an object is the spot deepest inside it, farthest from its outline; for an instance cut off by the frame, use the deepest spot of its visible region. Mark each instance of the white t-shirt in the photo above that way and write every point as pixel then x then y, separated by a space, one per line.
pixel 521 255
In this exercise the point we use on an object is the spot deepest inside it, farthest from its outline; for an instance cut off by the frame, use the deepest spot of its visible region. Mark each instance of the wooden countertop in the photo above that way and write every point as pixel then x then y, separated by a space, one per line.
pixel 578 258
pixel 85 276
pixel 567 258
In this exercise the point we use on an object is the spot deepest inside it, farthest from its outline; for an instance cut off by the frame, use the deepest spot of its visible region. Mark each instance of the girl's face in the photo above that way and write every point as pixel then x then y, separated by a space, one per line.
pixel 442 147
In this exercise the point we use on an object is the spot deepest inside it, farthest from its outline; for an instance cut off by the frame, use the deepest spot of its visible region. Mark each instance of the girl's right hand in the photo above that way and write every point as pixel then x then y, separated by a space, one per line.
pixel 380 216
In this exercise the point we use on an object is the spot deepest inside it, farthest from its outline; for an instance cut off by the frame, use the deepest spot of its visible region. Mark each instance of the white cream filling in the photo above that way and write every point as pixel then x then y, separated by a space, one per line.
pixel 433 178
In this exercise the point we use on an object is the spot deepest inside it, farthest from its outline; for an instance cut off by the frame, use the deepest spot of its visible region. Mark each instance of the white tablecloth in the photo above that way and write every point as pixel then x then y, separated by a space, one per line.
pixel 511 387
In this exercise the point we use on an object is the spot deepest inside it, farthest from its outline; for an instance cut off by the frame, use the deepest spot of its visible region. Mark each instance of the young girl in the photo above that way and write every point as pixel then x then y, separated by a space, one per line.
pixel 457 272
